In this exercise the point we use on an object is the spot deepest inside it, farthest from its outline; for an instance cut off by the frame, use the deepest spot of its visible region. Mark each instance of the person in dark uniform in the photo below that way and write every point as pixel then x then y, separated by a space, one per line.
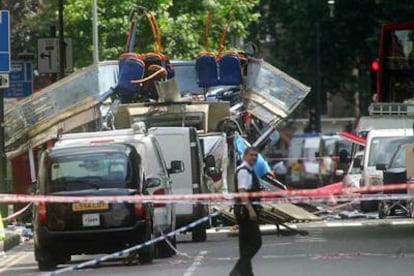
pixel 247 212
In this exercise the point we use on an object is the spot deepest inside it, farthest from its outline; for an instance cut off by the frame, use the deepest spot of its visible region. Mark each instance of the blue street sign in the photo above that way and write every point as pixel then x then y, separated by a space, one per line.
pixel 20 80
pixel 4 42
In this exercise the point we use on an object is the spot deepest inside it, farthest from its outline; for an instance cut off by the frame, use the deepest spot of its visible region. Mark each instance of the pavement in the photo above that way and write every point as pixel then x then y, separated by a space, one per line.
pixel 352 247
pixel 11 241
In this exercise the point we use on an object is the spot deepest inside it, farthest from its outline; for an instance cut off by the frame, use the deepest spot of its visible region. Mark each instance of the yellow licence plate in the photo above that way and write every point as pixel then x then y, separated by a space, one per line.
pixel 89 206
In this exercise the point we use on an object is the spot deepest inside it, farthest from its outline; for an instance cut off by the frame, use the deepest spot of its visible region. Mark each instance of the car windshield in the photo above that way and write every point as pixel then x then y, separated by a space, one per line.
pixel 89 171
pixel 398 160
pixel 382 149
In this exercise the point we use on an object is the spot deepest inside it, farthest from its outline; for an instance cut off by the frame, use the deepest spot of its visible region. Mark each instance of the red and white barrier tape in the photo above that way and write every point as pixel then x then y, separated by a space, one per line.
pixel 317 195
pixel 300 158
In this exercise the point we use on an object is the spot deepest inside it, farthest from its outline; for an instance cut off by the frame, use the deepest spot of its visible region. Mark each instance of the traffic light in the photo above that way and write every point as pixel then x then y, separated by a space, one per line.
pixel 313 124
pixel 375 66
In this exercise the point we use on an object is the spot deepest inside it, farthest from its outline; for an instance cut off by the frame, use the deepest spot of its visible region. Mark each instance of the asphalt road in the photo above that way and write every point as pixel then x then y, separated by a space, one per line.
pixel 338 248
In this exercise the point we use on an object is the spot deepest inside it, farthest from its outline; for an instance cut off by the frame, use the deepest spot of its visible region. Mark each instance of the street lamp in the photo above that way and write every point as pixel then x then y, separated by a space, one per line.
pixel 95 53
pixel 331 4
pixel 61 40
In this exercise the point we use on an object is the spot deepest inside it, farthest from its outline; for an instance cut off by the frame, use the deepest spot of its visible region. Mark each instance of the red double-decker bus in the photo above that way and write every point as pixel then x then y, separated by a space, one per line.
pixel 395 65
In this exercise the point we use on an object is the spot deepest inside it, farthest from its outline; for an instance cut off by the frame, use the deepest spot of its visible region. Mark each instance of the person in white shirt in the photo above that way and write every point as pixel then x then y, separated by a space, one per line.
pixel 247 211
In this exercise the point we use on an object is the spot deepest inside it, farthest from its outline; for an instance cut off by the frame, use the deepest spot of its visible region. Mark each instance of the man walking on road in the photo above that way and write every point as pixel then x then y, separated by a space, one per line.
pixel 247 213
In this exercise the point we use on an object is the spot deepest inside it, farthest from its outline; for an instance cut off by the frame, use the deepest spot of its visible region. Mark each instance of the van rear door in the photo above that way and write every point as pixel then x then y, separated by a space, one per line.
pixel 175 145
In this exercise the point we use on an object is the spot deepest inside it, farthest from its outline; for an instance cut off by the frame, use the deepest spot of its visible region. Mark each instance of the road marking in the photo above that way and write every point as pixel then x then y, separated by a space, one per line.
pixel 402 222
pixel 11 263
pixel 197 262
pixel 285 256
pixel 342 224
pixel 276 244
pixel 226 230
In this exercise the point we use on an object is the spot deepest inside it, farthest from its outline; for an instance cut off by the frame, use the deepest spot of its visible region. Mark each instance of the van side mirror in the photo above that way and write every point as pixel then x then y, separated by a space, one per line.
pixel 381 167
pixel 357 163
pixel 152 182
pixel 176 166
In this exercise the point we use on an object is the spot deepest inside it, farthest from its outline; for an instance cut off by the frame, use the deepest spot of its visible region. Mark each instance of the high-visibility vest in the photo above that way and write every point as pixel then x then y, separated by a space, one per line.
pixel 2 232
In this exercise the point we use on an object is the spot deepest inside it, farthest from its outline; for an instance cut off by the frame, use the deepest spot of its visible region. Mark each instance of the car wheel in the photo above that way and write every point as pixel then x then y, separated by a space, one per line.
pixel 45 261
pixel 199 233
pixel 147 254
pixel 165 250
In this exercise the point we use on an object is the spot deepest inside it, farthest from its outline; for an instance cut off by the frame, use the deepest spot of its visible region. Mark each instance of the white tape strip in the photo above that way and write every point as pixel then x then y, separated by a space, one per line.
pixel 135 248
pixel 18 213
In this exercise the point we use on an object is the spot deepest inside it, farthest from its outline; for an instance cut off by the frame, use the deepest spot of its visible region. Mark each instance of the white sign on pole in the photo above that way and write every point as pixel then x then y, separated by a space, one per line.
pixel 48 55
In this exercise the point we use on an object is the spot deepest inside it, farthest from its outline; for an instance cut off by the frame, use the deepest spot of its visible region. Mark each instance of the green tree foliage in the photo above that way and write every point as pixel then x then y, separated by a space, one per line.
pixel 349 40
pixel 182 24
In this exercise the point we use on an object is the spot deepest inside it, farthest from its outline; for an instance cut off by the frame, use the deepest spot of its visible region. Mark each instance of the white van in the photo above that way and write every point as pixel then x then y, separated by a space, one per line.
pixel 310 177
pixel 380 145
pixel 384 116
pixel 156 171
pixel 182 143
pixel 303 148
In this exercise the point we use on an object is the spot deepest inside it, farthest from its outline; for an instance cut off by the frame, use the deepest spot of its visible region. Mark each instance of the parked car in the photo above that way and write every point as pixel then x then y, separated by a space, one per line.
pixel 156 172
pixel 65 229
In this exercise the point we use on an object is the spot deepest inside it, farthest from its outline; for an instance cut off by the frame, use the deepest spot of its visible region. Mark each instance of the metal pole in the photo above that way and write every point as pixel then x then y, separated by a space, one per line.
pixel 62 55
pixel 95 53
pixel 3 157
pixel 318 78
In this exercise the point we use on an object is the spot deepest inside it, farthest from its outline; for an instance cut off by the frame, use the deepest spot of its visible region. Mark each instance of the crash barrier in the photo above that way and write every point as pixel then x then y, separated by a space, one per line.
pixel 135 248
pixel 18 213
pixel 289 196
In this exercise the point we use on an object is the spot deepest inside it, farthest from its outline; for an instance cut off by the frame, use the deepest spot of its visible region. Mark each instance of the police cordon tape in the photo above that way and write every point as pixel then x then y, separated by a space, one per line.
pixel 301 158
pixel 18 213
pixel 292 196
pixel 133 249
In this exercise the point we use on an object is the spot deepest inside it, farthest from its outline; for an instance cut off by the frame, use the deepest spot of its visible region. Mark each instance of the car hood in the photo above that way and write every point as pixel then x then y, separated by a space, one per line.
pixel 97 192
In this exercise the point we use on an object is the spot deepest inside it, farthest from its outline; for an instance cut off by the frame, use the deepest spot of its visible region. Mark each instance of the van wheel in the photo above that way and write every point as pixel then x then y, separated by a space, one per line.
pixel 199 233
pixel 45 262
pixel 165 250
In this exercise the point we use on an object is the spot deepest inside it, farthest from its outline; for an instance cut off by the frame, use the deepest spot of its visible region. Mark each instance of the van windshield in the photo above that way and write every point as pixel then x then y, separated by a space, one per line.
pixel 89 171
pixel 382 149
pixel 399 159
